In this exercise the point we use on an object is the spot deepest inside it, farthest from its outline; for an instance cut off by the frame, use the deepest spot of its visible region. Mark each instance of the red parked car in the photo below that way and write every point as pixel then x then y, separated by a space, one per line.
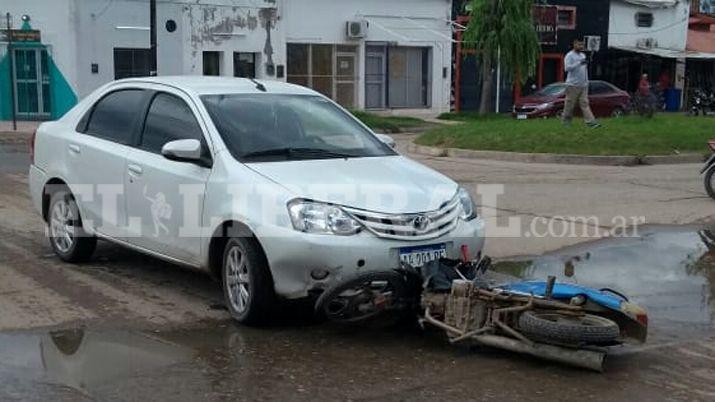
pixel 606 100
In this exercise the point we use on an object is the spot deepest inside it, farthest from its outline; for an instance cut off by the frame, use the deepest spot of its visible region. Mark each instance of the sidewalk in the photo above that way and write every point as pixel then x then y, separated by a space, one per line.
pixel 22 126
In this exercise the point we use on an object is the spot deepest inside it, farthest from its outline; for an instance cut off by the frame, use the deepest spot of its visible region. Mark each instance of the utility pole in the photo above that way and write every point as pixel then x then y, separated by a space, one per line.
pixel 152 37
pixel 13 97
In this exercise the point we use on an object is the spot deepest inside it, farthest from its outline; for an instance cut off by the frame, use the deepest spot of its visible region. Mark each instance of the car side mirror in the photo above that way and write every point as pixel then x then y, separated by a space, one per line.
pixel 387 140
pixel 183 151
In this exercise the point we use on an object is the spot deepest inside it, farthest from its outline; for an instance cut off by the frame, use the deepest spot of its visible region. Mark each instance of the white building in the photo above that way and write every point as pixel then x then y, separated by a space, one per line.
pixel 648 24
pixel 396 57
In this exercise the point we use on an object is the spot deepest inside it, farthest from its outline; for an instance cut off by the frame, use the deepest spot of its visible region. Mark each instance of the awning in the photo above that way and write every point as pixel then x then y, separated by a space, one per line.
pixel 653 3
pixel 668 53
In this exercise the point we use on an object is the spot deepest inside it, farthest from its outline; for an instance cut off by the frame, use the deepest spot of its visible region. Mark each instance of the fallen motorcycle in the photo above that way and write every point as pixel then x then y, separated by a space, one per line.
pixel 566 323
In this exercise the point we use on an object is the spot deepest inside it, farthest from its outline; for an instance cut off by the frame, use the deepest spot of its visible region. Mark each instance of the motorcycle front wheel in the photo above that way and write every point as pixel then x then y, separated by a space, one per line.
pixel 362 297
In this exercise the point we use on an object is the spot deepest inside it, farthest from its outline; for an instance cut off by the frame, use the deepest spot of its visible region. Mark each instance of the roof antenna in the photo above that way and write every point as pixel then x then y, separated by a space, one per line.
pixel 259 86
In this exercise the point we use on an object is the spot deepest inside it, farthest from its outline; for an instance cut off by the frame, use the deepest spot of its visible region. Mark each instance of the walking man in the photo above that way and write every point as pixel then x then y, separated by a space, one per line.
pixel 576 66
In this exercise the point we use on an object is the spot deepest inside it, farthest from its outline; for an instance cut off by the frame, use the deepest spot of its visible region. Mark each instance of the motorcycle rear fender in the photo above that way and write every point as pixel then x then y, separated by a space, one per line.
pixel 708 164
pixel 632 320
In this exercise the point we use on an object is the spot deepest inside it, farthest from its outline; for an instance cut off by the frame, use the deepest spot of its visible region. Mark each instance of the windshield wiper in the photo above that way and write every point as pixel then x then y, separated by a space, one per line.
pixel 297 153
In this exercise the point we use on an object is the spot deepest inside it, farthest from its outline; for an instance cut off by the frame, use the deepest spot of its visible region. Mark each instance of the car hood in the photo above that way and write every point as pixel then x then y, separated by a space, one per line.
pixel 537 100
pixel 389 184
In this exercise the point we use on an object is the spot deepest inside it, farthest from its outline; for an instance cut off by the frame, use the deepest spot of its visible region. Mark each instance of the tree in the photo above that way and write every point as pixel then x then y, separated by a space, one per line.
pixel 503 27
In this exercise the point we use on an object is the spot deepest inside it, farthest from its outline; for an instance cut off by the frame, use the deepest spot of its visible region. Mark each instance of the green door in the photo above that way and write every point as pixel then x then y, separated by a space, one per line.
pixel 32 83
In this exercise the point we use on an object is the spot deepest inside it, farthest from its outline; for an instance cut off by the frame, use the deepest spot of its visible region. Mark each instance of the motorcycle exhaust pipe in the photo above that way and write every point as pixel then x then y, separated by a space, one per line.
pixel 588 359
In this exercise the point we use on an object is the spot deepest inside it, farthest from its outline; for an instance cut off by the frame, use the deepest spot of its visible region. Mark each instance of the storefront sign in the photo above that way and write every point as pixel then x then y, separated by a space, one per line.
pixel 545 23
pixel 20 35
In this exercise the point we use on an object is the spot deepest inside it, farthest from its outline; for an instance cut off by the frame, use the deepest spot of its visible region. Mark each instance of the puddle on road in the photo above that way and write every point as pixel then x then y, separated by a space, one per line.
pixel 669 271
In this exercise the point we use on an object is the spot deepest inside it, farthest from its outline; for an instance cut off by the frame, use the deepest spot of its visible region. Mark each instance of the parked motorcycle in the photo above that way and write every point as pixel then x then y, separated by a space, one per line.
pixel 709 171
pixel 702 102
pixel 566 323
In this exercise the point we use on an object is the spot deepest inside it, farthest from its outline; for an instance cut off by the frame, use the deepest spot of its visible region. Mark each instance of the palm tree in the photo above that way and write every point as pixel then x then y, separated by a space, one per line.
pixel 503 27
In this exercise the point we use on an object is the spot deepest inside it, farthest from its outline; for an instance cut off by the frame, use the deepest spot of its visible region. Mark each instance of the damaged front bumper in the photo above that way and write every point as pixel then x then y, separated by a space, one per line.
pixel 303 262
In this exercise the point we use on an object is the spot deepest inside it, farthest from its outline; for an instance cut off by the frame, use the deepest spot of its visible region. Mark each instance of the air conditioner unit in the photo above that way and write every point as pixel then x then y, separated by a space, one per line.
pixel 356 29
pixel 593 43
pixel 646 43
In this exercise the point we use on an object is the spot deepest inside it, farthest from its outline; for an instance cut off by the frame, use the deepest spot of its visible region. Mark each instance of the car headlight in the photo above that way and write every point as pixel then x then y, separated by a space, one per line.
pixel 544 105
pixel 317 217
pixel 469 212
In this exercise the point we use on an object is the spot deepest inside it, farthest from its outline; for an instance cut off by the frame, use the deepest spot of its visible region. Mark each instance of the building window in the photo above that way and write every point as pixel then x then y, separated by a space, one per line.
pixel 397 77
pixel 644 20
pixel 328 69
pixel 212 63
pixel 131 63
pixel 244 65
pixel 566 17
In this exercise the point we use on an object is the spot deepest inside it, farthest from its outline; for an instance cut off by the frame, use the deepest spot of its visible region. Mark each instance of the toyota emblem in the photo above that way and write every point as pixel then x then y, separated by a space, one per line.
pixel 420 223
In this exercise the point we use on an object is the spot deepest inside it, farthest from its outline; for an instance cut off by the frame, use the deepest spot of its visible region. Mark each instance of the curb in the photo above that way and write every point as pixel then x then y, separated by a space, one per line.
pixel 14 138
pixel 567 159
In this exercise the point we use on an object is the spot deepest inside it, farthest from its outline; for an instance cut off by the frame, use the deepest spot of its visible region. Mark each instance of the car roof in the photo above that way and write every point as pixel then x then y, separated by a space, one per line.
pixel 203 85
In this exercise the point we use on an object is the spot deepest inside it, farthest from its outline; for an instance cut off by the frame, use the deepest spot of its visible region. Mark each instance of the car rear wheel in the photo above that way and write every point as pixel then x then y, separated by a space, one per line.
pixel 67 238
pixel 247 283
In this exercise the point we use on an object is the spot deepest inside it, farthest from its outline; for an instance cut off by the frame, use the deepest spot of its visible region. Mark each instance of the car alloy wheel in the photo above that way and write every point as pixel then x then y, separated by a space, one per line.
pixel 238 279
pixel 62 227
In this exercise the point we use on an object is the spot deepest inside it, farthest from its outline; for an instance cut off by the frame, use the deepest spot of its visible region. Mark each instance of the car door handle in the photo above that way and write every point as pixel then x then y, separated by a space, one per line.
pixel 135 170
pixel 74 148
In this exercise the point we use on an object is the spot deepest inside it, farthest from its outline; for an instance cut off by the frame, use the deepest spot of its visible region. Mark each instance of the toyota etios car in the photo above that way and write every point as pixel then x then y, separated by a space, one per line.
pixel 271 187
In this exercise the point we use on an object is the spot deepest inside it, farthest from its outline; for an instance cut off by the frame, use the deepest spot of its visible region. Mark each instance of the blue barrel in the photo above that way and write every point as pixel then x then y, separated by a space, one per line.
pixel 672 99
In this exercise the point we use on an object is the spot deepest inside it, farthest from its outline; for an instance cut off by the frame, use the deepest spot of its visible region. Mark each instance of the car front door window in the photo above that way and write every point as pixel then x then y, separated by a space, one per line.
pixel 169 119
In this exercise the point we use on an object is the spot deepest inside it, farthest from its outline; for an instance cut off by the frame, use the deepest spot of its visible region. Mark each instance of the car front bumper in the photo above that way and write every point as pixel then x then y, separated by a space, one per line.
pixel 295 257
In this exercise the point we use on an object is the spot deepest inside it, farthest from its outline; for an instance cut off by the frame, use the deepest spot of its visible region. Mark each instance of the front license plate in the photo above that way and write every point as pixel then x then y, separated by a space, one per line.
pixel 521 116
pixel 420 255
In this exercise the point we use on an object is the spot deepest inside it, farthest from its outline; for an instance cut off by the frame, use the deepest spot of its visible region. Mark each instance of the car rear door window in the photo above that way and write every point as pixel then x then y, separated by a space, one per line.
pixel 169 119
pixel 599 88
pixel 115 116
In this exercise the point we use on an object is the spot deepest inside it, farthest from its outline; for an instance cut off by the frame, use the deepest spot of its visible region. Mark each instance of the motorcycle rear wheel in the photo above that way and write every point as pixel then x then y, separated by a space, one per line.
pixel 553 327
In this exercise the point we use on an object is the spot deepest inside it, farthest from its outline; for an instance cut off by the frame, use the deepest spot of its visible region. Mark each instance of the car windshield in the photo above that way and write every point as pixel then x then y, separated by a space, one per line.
pixel 273 127
pixel 551 90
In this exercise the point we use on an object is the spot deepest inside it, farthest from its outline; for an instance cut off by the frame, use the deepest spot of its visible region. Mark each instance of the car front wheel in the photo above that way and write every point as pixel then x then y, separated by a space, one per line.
pixel 247 283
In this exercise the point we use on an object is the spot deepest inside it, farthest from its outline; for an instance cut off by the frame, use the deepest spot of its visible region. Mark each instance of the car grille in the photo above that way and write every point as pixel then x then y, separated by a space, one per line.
pixel 524 109
pixel 403 226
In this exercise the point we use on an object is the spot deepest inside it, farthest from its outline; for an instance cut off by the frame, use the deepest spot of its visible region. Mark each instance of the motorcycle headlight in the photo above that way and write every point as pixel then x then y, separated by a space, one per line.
pixel 469 212
pixel 316 217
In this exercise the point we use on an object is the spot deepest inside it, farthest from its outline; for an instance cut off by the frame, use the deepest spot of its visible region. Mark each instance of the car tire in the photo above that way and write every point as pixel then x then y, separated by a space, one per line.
pixel 247 283
pixel 618 112
pixel 709 178
pixel 64 229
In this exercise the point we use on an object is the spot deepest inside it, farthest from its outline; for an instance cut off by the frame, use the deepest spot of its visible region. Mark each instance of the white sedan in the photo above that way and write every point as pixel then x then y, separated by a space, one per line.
pixel 272 188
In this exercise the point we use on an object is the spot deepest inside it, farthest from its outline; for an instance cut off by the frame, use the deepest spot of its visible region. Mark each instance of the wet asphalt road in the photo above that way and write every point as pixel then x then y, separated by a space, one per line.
pixel 128 327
